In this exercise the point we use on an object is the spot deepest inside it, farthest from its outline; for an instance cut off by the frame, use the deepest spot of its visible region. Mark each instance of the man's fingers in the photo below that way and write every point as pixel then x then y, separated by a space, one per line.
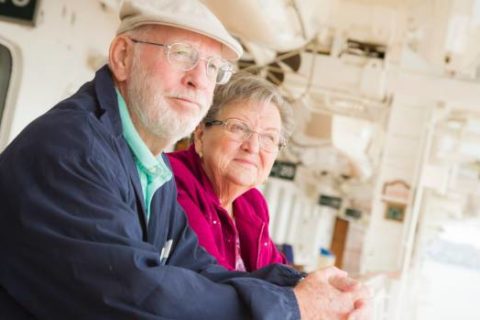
pixel 362 311
pixel 344 283
pixel 363 292
pixel 329 272
pixel 360 303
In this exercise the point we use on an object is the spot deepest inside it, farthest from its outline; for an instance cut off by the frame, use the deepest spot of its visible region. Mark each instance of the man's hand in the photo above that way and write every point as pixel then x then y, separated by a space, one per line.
pixel 329 294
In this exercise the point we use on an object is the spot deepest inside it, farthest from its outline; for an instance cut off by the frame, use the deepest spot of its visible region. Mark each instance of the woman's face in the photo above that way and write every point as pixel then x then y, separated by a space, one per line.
pixel 229 161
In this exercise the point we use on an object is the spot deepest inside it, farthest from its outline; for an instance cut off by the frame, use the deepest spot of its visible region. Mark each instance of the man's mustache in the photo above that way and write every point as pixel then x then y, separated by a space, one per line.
pixel 189 96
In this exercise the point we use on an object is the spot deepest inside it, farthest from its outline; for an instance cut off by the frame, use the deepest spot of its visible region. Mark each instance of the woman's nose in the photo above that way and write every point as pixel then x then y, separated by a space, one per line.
pixel 252 143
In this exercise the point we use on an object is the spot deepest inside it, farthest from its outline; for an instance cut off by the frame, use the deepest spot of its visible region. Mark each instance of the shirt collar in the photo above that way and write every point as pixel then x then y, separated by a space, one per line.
pixel 146 161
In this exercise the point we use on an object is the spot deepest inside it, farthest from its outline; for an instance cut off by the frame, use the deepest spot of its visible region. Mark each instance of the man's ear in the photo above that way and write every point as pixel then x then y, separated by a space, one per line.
pixel 120 58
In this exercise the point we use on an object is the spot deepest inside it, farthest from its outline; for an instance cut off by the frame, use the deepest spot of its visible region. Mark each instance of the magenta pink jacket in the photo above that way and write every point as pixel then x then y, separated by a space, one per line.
pixel 215 229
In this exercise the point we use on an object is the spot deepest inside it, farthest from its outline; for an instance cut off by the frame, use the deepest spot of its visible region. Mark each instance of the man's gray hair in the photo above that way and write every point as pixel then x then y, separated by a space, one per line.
pixel 244 86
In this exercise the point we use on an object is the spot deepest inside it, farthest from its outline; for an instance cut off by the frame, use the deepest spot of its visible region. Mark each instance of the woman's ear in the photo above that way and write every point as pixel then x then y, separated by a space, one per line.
pixel 198 139
pixel 120 58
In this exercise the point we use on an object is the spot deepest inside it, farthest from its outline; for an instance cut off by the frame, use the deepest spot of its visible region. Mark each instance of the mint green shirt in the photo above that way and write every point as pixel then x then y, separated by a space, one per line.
pixel 152 170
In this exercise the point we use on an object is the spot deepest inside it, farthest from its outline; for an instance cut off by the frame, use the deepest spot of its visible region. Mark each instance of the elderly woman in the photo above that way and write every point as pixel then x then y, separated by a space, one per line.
pixel 234 148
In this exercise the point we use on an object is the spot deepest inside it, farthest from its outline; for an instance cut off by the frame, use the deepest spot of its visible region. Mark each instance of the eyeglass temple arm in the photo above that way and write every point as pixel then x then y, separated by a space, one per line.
pixel 147 42
pixel 210 123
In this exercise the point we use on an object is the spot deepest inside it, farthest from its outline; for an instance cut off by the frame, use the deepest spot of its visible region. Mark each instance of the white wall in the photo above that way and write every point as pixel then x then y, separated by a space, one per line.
pixel 53 58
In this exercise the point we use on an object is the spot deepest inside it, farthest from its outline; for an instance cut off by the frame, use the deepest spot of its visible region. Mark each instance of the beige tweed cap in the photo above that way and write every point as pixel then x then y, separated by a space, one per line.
pixel 190 15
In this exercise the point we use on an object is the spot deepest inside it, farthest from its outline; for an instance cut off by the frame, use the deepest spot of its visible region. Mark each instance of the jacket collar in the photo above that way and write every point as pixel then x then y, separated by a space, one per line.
pixel 107 100
pixel 109 115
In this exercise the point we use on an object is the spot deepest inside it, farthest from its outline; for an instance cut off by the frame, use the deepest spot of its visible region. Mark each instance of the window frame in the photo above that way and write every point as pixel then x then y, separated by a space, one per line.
pixel 10 96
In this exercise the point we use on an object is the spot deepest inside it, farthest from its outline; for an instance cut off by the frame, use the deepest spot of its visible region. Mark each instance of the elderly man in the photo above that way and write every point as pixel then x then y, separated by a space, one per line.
pixel 90 227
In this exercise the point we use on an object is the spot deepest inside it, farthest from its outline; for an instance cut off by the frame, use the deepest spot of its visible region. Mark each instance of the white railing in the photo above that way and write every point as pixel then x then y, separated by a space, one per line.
pixel 299 221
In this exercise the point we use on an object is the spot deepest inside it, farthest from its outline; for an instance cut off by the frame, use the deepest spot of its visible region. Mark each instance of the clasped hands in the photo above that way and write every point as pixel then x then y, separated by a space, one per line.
pixel 330 294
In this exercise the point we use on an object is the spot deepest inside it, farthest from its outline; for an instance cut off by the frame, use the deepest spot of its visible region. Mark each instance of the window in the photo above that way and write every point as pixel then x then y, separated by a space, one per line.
pixel 5 74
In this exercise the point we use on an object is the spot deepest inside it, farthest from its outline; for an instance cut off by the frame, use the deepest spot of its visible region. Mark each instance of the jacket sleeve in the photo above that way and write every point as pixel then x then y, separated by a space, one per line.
pixel 72 248
pixel 263 293
pixel 281 275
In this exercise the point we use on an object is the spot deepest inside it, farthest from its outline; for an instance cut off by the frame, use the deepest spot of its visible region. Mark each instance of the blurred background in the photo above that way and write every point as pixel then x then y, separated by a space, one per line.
pixel 382 175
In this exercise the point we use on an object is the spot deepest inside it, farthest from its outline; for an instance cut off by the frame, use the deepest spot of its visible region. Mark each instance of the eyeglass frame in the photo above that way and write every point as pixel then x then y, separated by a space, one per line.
pixel 227 66
pixel 215 122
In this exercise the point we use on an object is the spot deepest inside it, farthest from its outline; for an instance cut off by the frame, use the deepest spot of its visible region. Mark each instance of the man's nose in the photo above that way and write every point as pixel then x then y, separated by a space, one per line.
pixel 197 77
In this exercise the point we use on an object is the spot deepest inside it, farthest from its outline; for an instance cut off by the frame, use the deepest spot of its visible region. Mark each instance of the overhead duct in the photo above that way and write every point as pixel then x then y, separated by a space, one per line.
pixel 273 24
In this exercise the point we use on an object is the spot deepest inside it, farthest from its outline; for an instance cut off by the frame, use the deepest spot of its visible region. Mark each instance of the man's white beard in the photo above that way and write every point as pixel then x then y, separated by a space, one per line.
pixel 153 111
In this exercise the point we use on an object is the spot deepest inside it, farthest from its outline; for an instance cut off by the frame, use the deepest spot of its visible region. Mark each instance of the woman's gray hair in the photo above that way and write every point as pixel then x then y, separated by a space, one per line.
pixel 244 86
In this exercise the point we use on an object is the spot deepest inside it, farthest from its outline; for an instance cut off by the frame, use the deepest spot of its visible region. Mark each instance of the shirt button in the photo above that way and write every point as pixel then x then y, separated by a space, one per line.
pixel 265 244
pixel 214 221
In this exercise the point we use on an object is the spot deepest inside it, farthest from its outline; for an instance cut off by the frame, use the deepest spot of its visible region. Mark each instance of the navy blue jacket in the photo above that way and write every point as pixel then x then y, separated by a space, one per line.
pixel 74 243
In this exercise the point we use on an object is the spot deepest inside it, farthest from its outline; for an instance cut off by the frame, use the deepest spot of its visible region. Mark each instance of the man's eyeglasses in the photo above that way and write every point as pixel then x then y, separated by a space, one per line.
pixel 185 57
pixel 240 131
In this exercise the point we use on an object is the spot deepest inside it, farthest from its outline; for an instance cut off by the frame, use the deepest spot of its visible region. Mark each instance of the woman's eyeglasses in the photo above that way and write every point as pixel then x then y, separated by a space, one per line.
pixel 240 131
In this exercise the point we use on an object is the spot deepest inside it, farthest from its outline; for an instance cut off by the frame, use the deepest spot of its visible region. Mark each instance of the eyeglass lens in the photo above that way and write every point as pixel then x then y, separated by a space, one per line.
pixel 186 57
pixel 241 131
